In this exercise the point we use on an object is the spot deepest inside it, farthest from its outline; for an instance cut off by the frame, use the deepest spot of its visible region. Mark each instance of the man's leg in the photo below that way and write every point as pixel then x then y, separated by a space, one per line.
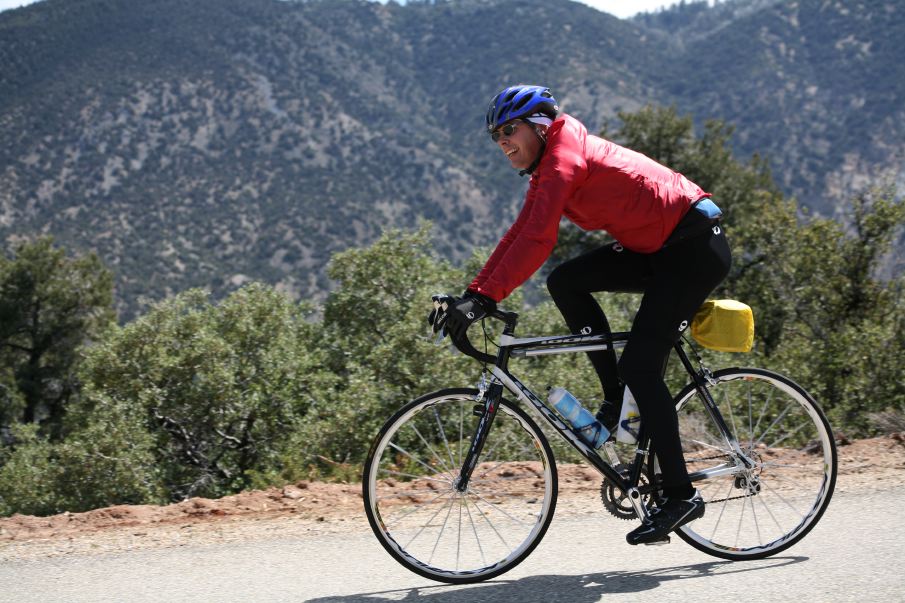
pixel 683 277
pixel 608 268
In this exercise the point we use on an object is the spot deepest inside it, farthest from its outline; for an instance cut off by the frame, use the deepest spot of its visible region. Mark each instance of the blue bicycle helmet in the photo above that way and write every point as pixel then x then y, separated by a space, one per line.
pixel 520 101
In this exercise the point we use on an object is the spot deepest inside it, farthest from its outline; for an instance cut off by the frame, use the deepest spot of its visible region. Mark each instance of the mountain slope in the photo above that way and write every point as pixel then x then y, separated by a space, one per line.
pixel 816 85
pixel 211 142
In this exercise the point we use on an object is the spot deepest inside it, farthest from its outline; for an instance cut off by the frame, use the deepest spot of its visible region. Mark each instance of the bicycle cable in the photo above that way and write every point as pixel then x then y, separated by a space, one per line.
pixel 487 338
pixel 697 355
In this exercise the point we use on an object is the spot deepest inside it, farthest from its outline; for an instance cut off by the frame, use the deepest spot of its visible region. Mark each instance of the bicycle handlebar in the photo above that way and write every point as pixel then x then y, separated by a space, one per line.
pixel 464 345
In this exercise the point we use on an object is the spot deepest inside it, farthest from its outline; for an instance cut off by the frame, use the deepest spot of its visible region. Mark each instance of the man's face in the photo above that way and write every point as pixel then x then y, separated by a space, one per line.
pixel 519 143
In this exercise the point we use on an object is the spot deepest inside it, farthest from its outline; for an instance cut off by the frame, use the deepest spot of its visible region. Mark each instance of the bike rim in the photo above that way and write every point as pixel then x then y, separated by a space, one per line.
pixel 765 508
pixel 431 527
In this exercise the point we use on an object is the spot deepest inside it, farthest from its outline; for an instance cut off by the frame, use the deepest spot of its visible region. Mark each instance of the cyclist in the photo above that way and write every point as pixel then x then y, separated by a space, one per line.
pixel 669 246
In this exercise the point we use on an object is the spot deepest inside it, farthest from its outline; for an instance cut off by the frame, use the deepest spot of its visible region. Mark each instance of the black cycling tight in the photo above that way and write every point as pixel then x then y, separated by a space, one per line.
pixel 675 282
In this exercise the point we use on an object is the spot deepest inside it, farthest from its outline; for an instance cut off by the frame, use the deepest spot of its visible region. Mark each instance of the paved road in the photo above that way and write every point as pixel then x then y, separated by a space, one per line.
pixel 855 553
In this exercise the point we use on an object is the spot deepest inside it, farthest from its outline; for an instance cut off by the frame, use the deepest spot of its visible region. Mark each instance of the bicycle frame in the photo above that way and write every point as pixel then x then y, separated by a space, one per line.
pixel 535 346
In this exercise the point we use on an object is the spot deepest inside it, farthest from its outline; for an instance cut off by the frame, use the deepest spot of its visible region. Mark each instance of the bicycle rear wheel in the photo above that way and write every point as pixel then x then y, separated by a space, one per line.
pixel 420 517
pixel 758 510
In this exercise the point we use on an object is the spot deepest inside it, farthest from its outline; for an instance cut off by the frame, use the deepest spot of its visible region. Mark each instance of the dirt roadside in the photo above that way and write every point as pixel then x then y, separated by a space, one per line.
pixel 312 508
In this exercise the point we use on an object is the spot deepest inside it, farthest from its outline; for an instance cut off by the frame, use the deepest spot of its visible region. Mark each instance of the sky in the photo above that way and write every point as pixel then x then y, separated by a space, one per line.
pixel 619 8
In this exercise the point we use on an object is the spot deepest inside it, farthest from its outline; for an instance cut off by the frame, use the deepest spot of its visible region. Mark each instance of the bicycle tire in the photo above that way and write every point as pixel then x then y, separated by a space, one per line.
pixel 408 486
pixel 792 482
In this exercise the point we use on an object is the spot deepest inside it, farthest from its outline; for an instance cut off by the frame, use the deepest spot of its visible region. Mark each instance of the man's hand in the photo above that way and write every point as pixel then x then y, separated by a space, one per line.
pixel 466 311
pixel 437 317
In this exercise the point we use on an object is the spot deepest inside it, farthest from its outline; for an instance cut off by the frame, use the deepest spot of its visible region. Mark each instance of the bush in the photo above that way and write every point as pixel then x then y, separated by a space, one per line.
pixel 219 388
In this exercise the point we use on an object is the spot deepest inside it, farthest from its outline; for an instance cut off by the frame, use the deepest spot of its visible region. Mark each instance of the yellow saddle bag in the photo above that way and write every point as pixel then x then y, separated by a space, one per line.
pixel 725 325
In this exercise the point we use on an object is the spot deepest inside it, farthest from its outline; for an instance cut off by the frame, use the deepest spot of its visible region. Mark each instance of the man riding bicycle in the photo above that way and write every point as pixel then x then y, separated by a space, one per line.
pixel 669 247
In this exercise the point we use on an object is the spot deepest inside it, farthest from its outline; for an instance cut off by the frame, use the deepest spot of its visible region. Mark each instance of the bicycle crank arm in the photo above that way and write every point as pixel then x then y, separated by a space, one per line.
pixel 635 498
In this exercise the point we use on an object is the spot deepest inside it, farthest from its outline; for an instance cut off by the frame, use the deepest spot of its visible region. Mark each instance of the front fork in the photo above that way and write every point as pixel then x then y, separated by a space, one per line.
pixel 492 398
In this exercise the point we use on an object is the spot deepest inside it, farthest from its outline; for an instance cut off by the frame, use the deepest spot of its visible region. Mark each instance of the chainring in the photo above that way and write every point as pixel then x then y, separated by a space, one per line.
pixel 616 501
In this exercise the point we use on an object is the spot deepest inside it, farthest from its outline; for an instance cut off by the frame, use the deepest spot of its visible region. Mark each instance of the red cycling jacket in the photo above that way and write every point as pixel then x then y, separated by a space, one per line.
pixel 596 184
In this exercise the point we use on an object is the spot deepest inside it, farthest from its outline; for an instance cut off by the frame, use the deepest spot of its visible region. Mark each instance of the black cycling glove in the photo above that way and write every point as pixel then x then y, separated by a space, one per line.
pixel 437 317
pixel 466 311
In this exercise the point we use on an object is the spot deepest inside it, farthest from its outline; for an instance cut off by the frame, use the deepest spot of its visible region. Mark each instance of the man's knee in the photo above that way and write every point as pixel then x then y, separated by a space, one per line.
pixel 643 360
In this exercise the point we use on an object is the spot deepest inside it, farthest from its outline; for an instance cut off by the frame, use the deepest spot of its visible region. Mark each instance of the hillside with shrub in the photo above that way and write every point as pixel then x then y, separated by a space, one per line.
pixel 218 142
pixel 207 397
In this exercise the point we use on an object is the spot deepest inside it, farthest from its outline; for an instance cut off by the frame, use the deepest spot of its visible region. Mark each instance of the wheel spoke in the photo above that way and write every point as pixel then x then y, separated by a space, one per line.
pixel 461 436
pixel 415 510
pixel 741 518
pixel 750 418
pixel 446 482
pixel 459 534
pixel 790 434
pixel 452 461
pixel 722 510
pixel 442 529
pixel 426 523
pixel 732 417
pixel 780 497
pixel 762 414
pixel 433 470
pixel 768 464
pixel 767 508
pixel 407 493
pixel 474 530
pixel 498 509
pixel 492 527
pixel 490 454
pixel 772 425
pixel 750 499
pixel 440 460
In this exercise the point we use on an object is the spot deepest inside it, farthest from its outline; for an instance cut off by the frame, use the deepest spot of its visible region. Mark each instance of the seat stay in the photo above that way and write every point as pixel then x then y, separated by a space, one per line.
pixel 701 380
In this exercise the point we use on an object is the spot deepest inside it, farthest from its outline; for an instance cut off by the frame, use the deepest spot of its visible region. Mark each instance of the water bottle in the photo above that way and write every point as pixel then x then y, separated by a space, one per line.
pixel 629 419
pixel 588 427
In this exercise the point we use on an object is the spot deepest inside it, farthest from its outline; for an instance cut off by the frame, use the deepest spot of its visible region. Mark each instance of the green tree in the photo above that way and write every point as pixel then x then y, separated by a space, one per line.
pixel 219 387
pixel 107 461
pixel 379 341
pixel 844 326
pixel 50 305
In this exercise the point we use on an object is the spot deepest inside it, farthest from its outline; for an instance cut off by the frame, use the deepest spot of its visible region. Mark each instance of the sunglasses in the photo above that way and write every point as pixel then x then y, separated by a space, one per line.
pixel 506 130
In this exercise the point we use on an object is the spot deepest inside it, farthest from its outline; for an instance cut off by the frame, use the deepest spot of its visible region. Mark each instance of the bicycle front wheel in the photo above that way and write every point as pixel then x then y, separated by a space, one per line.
pixel 767 498
pixel 424 522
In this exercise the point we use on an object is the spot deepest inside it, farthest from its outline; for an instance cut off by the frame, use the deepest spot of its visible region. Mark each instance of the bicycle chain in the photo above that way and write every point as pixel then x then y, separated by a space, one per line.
pixel 716 500
pixel 711 458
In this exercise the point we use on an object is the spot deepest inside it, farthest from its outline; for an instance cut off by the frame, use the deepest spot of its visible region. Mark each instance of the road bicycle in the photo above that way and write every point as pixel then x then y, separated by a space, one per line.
pixel 460 485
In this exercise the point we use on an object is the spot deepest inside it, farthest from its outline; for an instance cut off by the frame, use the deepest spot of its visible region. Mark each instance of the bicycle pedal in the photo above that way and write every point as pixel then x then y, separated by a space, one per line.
pixel 665 540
